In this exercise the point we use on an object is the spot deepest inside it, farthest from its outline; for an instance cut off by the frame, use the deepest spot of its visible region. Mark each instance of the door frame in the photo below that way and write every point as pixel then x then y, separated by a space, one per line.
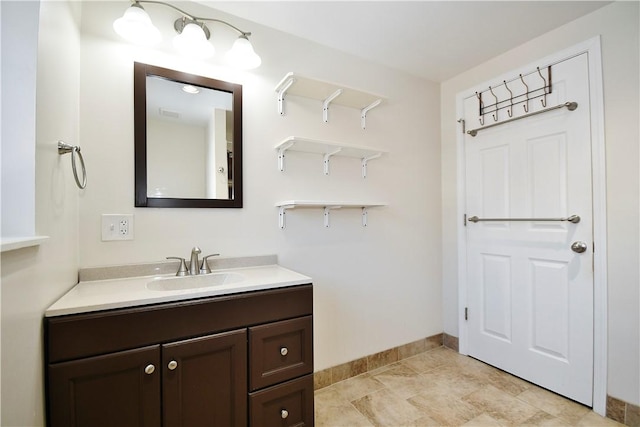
pixel 594 57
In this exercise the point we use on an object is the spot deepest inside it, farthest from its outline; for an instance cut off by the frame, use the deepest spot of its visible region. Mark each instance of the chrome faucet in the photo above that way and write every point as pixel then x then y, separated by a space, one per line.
pixel 194 265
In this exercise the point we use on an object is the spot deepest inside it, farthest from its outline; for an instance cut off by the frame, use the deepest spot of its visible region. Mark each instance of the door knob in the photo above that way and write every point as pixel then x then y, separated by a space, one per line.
pixel 578 247
pixel 172 365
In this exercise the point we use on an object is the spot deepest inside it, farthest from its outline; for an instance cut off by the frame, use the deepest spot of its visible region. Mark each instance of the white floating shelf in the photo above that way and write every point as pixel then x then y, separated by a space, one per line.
pixel 327 149
pixel 328 206
pixel 295 84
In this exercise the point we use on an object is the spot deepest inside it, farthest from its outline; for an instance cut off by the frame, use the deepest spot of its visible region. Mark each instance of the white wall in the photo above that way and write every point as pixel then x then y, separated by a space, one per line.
pixel 375 287
pixel 176 159
pixel 33 278
pixel 618 26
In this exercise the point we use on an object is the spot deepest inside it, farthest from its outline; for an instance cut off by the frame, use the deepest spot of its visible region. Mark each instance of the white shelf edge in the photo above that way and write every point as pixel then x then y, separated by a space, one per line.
pixel 292 204
pixel 327 205
pixel 332 88
pixel 327 92
pixel 13 243
pixel 328 149
pixel 318 142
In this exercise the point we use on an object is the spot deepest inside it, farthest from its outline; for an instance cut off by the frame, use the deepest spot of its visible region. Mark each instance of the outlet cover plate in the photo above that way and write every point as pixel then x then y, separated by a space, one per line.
pixel 117 227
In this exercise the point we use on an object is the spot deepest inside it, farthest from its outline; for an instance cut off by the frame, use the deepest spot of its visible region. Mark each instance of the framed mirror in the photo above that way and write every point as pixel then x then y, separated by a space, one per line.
pixel 188 140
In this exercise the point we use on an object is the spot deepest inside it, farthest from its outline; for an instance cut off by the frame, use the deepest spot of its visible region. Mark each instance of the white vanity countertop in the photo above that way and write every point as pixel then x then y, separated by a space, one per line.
pixel 130 292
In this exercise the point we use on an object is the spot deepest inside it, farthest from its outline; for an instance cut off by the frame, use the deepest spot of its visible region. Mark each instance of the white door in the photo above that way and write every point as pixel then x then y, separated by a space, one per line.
pixel 530 296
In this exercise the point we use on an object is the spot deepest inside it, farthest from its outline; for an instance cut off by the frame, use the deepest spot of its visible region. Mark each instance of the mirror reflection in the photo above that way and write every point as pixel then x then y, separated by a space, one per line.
pixel 188 140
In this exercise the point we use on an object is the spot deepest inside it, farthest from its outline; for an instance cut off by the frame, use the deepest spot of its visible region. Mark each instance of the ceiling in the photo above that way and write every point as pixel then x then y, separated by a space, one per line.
pixel 435 40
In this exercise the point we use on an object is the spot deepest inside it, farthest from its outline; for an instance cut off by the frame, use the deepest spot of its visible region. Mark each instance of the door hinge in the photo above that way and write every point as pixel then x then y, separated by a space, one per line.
pixel 465 220
pixel 466 313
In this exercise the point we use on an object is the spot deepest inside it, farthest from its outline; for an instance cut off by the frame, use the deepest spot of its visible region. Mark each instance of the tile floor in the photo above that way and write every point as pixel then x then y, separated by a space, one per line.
pixel 443 388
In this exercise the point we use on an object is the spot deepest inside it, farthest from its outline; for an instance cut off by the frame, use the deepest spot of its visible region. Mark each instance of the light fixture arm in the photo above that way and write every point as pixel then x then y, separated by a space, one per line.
pixel 193 17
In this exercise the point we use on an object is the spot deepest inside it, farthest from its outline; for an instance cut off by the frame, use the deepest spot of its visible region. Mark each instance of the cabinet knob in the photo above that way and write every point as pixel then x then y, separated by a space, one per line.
pixel 284 351
pixel 284 413
pixel 150 369
pixel 172 365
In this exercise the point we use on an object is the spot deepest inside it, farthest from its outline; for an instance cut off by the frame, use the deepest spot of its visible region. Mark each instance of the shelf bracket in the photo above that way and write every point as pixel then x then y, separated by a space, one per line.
pixel 327 211
pixel 281 94
pixel 327 156
pixel 281 151
pixel 365 110
pixel 326 102
pixel 282 214
pixel 364 163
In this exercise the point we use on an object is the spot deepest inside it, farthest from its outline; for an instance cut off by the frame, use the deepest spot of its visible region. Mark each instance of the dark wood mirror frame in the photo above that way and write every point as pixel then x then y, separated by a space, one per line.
pixel 140 73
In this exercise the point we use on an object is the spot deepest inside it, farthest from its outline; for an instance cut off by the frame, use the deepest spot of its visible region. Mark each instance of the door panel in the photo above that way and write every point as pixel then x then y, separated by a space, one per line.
pixel 547 181
pixel 494 163
pixel 530 297
pixel 496 295
pixel 549 296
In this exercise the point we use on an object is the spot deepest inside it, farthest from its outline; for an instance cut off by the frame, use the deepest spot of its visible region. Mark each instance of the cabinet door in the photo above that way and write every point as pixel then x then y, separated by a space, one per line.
pixel 284 405
pixel 205 381
pixel 118 389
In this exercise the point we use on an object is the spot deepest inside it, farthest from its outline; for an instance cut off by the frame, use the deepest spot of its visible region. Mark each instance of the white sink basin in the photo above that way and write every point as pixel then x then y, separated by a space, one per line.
pixel 194 282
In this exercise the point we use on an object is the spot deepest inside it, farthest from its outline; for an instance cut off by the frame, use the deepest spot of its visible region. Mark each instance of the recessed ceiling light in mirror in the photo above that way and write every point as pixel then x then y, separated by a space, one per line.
pixel 190 89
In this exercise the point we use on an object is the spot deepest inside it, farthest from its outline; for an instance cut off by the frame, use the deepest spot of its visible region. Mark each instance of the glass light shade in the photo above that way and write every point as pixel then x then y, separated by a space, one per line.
pixel 136 27
pixel 193 42
pixel 241 55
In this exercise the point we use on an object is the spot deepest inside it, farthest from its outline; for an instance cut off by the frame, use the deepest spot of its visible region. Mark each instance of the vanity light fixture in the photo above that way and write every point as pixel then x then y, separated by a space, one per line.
pixel 193 35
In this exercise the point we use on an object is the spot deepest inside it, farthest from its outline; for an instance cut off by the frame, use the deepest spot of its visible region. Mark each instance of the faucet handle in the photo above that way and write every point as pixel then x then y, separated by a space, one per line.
pixel 204 268
pixel 182 270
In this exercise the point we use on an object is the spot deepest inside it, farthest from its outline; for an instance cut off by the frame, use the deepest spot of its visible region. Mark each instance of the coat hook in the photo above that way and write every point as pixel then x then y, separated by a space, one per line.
pixel 495 116
pixel 510 109
pixel 543 101
pixel 526 105
pixel 481 115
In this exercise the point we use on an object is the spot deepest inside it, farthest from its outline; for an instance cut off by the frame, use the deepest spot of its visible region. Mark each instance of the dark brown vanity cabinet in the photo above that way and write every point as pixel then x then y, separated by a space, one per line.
pixel 235 360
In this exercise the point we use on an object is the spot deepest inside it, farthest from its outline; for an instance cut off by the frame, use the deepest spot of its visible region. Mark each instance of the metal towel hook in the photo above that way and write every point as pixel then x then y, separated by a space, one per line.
pixel 510 109
pixel 543 101
pixel 526 105
pixel 64 148
pixel 495 116
pixel 481 118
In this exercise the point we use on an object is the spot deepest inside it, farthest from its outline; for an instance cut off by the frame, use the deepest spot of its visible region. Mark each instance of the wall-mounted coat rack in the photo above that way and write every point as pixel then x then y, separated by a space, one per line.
pixel 64 148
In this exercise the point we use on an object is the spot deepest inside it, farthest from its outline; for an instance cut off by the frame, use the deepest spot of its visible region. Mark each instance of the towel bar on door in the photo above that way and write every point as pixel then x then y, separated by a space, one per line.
pixel 570 106
pixel 573 219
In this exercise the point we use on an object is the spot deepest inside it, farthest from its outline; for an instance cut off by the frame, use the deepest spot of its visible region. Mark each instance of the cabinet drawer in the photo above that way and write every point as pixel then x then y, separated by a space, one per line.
pixel 284 405
pixel 280 351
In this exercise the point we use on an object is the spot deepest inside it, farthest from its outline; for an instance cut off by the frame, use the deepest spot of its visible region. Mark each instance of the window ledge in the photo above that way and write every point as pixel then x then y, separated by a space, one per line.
pixel 12 243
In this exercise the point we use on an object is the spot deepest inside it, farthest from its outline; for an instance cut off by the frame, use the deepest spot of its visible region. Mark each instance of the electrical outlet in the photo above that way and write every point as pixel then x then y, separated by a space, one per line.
pixel 117 227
